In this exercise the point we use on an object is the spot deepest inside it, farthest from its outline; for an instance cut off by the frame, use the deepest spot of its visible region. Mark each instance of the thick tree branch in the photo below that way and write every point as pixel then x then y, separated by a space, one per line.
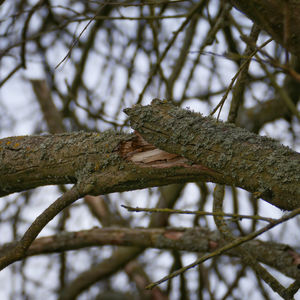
pixel 278 256
pixel 187 147
pixel 101 160
pixel 235 156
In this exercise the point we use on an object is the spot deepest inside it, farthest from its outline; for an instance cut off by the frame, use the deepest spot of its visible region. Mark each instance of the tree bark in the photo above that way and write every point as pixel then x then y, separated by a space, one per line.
pixel 95 159
pixel 171 145
pixel 203 239
pixel 234 155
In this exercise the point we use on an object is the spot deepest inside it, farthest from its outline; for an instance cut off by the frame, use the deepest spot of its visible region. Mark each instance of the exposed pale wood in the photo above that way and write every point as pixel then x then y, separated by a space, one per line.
pixel 240 158
pixel 177 146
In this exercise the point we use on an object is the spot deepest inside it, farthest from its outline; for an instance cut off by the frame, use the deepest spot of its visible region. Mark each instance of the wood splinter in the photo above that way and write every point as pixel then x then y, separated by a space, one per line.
pixel 139 151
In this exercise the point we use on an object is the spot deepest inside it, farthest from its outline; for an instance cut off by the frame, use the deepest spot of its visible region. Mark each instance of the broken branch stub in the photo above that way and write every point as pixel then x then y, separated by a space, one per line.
pixel 138 151
pixel 243 159
pixel 102 163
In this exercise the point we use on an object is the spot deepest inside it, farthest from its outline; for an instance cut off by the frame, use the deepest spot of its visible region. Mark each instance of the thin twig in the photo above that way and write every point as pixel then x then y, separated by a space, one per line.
pixel 244 64
pixel 79 36
pixel 198 213
pixel 37 226
pixel 235 243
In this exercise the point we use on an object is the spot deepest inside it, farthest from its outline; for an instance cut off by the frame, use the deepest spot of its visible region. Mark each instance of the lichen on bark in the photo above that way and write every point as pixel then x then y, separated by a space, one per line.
pixel 244 159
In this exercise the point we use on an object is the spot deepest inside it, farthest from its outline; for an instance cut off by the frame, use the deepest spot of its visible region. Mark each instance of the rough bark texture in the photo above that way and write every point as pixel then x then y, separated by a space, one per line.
pixel 94 159
pixel 31 161
pixel 180 146
pixel 240 158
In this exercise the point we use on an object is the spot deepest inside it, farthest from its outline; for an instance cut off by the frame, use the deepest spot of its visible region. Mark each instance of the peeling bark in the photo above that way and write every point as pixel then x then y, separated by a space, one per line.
pixel 94 159
pixel 144 154
pixel 172 145
pixel 236 157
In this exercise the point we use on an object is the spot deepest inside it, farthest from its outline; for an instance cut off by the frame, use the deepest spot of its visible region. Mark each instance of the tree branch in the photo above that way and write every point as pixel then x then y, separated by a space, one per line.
pixel 99 159
pixel 234 155
pixel 19 250
pixel 181 146
pixel 278 256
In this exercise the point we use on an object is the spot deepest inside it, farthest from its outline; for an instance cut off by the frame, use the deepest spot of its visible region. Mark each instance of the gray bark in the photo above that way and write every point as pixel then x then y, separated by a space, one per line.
pixel 171 145
pixel 233 155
